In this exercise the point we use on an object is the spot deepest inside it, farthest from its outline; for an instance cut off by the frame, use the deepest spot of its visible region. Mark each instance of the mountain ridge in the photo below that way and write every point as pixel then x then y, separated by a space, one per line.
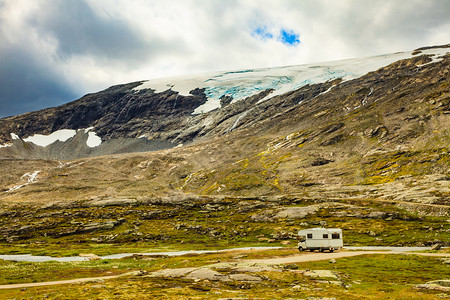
pixel 136 116
pixel 384 135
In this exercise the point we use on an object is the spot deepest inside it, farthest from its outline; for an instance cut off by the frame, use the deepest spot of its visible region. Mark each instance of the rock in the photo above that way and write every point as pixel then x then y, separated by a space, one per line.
pixel 135 273
pixel 320 274
pixel 93 226
pixel 225 100
pixel 372 233
pixel 172 273
pixel 291 267
pixel 332 261
pixel 207 274
pixel 436 285
pixel 376 215
pixel 321 161
pixel 111 202
pixel 26 229
pixel 297 212
pixel 244 277
pixel 256 269
pixel 436 246
pixel 286 242
pixel 87 255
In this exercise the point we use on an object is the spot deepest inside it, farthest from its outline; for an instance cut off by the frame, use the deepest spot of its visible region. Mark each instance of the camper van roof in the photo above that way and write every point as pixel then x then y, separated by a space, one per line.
pixel 320 228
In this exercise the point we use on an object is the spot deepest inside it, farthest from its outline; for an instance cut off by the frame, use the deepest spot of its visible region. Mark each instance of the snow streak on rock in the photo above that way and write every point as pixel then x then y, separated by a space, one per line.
pixel 30 177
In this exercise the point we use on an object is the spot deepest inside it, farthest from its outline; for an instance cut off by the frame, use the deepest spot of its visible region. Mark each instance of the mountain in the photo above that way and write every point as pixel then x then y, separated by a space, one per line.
pixel 170 112
pixel 236 158
pixel 329 129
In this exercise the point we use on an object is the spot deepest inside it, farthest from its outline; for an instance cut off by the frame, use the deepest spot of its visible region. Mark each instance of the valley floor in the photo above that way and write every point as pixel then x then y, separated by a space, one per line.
pixel 253 274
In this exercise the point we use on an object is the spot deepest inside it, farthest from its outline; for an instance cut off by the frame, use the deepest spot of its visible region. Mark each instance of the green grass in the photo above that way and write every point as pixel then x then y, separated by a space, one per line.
pixel 361 277
pixel 228 224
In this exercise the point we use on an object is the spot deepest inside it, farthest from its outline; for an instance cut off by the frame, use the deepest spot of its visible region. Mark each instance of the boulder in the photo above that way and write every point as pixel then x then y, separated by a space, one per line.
pixel 436 285
pixel 245 277
pixel 207 274
pixel 436 246
pixel 172 273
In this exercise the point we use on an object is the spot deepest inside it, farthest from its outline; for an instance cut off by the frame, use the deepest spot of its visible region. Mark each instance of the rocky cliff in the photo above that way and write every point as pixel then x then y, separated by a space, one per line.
pixel 165 113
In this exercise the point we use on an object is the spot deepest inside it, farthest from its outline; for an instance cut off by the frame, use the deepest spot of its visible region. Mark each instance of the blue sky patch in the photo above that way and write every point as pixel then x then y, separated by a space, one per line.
pixel 285 36
pixel 289 37
pixel 262 33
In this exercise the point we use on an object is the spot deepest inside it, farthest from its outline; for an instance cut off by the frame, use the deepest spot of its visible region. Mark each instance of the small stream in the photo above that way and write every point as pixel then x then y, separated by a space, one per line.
pixel 38 258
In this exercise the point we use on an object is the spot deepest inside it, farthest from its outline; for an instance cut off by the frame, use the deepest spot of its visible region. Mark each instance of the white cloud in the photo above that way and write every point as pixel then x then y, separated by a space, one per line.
pixel 89 45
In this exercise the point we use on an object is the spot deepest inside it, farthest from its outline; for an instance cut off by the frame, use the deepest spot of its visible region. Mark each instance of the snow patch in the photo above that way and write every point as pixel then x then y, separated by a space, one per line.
pixel 437 55
pixel 45 140
pixel 93 139
pixel 14 136
pixel 6 145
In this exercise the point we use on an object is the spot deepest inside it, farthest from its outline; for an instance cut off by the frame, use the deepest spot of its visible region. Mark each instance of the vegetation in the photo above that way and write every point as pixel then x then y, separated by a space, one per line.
pixel 361 277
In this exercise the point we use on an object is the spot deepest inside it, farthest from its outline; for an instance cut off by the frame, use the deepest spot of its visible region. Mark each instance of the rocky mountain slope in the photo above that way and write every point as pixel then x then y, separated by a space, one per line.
pixel 165 113
pixel 245 160
pixel 384 135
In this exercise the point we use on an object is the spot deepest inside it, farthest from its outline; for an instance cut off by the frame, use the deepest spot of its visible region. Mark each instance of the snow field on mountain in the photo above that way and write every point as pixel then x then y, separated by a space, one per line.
pixel 245 83
pixel 45 140
pixel 61 135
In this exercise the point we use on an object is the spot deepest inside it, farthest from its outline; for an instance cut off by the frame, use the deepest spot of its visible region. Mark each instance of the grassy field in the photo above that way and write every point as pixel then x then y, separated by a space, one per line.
pixel 199 225
pixel 361 277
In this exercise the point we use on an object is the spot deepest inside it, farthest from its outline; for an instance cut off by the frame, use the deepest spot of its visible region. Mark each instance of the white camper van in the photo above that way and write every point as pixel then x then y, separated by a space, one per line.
pixel 320 239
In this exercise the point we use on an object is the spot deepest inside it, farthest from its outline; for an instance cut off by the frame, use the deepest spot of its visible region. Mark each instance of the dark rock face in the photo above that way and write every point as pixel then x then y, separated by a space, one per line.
pixel 129 120
pixel 115 112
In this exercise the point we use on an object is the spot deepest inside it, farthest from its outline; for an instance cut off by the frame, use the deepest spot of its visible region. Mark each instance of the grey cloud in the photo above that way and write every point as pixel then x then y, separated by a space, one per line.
pixel 62 46
pixel 26 85
pixel 381 24
pixel 29 82
pixel 78 30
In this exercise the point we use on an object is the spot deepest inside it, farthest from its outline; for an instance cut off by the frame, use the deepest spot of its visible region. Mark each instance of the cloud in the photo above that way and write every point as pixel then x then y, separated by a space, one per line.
pixel 54 51
pixel 24 82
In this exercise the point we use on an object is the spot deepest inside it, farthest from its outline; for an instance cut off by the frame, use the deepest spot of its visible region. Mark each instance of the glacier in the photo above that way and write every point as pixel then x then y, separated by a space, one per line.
pixel 244 83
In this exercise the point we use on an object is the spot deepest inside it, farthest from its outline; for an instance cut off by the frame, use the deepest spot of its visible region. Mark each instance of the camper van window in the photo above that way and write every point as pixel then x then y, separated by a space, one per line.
pixel 309 235
pixel 325 236
pixel 302 238
pixel 335 236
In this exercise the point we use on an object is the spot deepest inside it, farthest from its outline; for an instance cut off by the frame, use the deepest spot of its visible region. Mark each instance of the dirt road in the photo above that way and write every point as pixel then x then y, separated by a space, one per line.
pixel 302 257
pixel 305 257
pixel 34 284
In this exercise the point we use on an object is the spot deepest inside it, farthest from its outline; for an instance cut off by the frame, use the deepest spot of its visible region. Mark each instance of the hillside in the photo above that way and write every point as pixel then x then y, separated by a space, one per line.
pixel 169 112
pixel 367 152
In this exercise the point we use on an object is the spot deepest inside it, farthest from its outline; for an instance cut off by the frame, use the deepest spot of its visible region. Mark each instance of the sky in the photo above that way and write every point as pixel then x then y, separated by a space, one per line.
pixel 55 51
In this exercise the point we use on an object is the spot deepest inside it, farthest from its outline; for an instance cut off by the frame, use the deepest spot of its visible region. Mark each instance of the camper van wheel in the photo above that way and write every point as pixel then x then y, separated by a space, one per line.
pixel 300 249
pixel 321 249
